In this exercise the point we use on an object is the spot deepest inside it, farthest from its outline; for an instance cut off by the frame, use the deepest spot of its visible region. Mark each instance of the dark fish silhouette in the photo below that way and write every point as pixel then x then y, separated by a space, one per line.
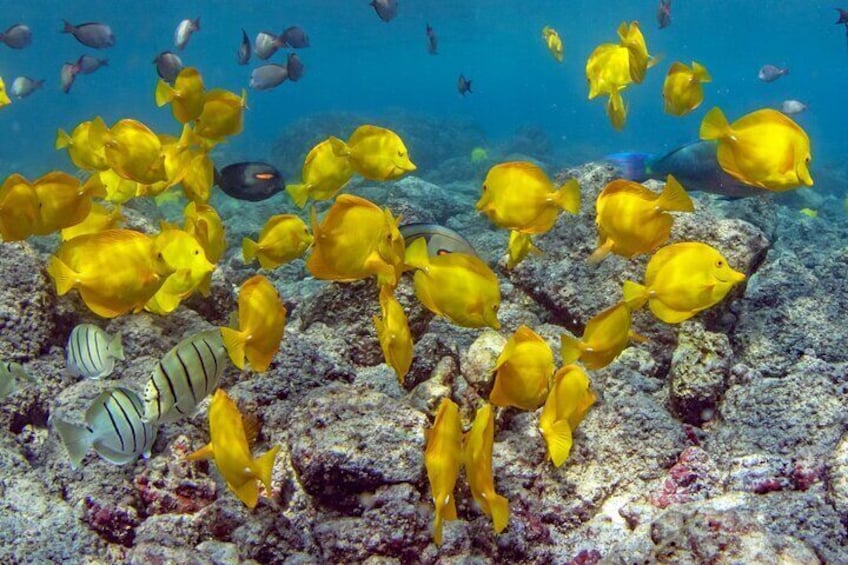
pixel 432 40
pixel 88 64
pixel 664 13
pixel 386 9
pixel 93 34
pixel 294 67
pixel 843 16
pixel 463 85
pixel 243 52
pixel 295 38
pixel 168 65
pixel 17 37
pixel 252 180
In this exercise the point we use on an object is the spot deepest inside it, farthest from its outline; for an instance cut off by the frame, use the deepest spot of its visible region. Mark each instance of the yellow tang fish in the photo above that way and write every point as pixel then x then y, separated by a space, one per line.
pixel 375 153
pixel 222 114
pixel 553 42
pixel 520 246
pixel 809 212
pixel 355 240
pixel 519 196
pixel 324 174
pixel 616 109
pixel 393 334
pixel 204 223
pixel 229 447
pixel 632 219
pixel 118 189
pixel 184 253
pixel 765 148
pixel 116 271
pixel 18 208
pixel 608 67
pixel 458 286
pixel 262 319
pixel 477 455
pixel 443 460
pixel 681 280
pixel 63 201
pixel 569 400
pixel 86 144
pixel 632 39
pixel 682 90
pixel 135 152
pixel 186 96
pixel 100 218
pixel 523 371
pixel 4 98
pixel 604 338
pixel 283 238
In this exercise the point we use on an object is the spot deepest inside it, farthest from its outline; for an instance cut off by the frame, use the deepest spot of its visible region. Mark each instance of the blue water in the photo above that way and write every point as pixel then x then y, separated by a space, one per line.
pixel 358 63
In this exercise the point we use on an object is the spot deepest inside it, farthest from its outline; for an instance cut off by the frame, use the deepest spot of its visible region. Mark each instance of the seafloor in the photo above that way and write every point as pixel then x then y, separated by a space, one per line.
pixel 721 440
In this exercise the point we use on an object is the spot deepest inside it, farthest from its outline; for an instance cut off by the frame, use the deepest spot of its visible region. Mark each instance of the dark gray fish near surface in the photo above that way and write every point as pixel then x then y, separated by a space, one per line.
pixel 113 426
pixel 268 76
pixel 770 73
pixel 17 37
pixel 67 75
pixel 664 13
pixel 294 67
pixel 252 180
pixel 183 32
pixel 432 40
pixel 843 16
pixel 243 52
pixel 88 64
pixel 266 44
pixel 93 34
pixel 294 37
pixel 463 85
pixel 440 240
pixel 792 107
pixel 168 65
pixel 24 86
pixel 386 9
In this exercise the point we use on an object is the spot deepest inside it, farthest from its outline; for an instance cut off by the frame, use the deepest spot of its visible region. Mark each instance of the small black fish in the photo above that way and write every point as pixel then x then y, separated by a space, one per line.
pixel 386 9
pixel 843 16
pixel 440 240
pixel 93 34
pixel 664 13
pixel 88 64
pixel 244 49
pixel 294 67
pixel 67 75
pixel 295 38
pixel 268 76
pixel 432 40
pixel 168 65
pixel 252 181
pixel 463 85
pixel 17 37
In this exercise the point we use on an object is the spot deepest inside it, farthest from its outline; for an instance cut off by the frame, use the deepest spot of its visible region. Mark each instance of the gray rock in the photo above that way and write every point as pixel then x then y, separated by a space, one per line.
pixel 27 304
pixel 837 478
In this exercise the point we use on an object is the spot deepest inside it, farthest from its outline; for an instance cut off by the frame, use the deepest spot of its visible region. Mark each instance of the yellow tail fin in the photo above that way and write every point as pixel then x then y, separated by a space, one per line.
pixel 63 276
pixel 416 254
pixel 500 513
pixel 601 252
pixel 205 452
pixel 264 465
pixel 299 194
pixel 559 442
pixel 568 196
pixel 164 93
pixel 569 348
pixel 635 295
pixel 700 72
pixel 714 125
pixel 674 197
pixel 62 139
pixel 234 342
pixel 249 248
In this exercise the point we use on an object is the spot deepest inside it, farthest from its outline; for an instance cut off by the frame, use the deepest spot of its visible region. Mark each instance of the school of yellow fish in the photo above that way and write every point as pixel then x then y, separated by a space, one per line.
pixel 117 271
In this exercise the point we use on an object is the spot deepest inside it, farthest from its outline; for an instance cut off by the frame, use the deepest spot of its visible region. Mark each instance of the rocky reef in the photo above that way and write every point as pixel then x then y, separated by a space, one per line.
pixel 720 440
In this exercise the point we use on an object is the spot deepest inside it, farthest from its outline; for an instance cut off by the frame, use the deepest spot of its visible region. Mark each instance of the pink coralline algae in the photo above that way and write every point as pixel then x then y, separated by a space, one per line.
pixel 692 477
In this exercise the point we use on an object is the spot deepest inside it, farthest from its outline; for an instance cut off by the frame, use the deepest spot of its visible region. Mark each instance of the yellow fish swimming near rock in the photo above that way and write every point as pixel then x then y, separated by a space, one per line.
pixel 393 333
pixel 682 90
pixel 520 246
pixel 261 322
pixel 186 97
pixel 324 174
pixel 86 144
pixel 375 153
pixel 569 400
pixel 606 335
pixel 443 460
pixel 222 115
pixel 523 371
pixel 553 43
pixel 283 238
pixel 477 456
pixel 682 280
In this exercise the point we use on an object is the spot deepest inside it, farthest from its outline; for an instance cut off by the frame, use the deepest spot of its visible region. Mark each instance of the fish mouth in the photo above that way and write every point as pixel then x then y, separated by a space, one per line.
pixel 735 277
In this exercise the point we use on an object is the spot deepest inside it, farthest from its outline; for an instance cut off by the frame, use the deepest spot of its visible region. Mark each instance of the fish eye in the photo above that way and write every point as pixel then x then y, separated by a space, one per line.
pixel 496 307
pixel 400 153
pixel 197 252
pixel 485 188
pixel 719 263
pixel 442 252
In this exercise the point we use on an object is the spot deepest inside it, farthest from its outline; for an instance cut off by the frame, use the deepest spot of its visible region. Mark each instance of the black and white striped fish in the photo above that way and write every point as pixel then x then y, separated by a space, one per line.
pixel 11 374
pixel 113 426
pixel 184 376
pixel 91 352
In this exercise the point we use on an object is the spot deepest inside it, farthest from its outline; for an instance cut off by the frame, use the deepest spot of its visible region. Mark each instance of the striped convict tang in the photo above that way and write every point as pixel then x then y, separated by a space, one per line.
pixel 184 376
pixel 113 427
pixel 91 352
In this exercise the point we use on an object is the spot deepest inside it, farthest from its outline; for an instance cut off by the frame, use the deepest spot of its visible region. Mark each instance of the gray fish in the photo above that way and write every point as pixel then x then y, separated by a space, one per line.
pixel 440 240
pixel 24 86
pixel 17 37
pixel 770 73
pixel 792 107
pixel 91 352
pixel 294 67
pixel 268 76
pixel 843 16
pixel 113 426
pixel 664 13
pixel 243 52
pixel 386 9
pixel 168 65
pixel 183 32
pixel 184 376
pixel 252 180
pixel 463 85
pixel 266 44
pixel 11 374
pixel 294 37
pixel 432 40
pixel 88 64
pixel 67 76
pixel 93 34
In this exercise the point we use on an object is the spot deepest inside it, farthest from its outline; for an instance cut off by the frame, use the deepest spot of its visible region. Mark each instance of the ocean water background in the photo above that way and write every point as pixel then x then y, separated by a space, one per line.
pixel 357 63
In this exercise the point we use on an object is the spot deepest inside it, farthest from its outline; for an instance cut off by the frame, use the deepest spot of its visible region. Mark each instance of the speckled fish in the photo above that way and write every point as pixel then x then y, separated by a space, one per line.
pixel 440 240
pixel 463 85
pixel 87 64
pixel 386 9
pixel 523 371
pixel 268 76
pixel 283 238
pixel 252 180
pixel 91 352
pixel 184 376
pixel 11 375
pixel 606 335
pixel 294 37
pixel 24 86
pixel 261 322
pixel 477 457
pixel 17 36
pixel 393 334
pixel 266 44
pixel 294 67
pixel 67 74
pixel 113 427
pixel 93 34
pixel 168 66
pixel 443 460
pixel 184 31
pixel 230 449
pixel 244 50
pixel 567 403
